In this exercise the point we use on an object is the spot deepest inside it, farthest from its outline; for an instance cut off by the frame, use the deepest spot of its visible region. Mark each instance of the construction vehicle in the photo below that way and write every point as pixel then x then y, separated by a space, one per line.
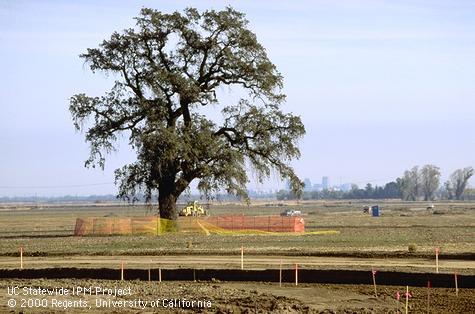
pixel 291 213
pixel 193 209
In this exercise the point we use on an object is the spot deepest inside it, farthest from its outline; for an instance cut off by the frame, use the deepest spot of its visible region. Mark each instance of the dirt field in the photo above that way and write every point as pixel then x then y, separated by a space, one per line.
pixel 46 230
pixel 45 233
pixel 245 298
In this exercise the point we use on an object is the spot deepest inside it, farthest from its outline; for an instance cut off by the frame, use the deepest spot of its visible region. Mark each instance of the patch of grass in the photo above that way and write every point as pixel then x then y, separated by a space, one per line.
pixel 49 231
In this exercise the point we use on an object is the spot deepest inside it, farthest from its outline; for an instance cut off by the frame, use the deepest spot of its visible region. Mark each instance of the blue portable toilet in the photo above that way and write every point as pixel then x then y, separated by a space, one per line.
pixel 375 211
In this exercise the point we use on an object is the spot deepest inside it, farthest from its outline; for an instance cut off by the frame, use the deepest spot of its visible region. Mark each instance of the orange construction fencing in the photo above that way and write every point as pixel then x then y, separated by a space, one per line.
pixel 150 225
pixel 259 223
pixel 153 225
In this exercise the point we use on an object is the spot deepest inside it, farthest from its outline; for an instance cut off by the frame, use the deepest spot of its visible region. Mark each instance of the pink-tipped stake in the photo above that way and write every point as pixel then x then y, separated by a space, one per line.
pixel 408 295
pixel 398 296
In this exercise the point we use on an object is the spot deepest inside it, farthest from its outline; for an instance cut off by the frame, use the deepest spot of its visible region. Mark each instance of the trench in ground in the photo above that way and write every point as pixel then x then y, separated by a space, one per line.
pixel 267 275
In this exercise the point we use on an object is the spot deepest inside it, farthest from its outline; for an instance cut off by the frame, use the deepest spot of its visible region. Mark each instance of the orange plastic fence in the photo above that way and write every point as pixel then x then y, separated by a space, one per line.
pixel 122 226
pixel 261 223
pixel 153 225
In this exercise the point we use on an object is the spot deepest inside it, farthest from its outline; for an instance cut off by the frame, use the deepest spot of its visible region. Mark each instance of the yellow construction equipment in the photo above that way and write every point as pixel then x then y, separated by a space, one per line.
pixel 193 209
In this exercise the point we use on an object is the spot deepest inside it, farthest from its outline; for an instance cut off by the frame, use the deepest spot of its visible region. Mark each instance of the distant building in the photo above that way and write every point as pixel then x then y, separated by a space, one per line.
pixel 307 184
pixel 317 187
pixel 325 184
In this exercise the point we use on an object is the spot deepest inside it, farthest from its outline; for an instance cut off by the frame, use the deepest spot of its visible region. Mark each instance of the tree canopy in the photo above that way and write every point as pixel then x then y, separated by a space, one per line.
pixel 430 181
pixel 167 68
pixel 458 182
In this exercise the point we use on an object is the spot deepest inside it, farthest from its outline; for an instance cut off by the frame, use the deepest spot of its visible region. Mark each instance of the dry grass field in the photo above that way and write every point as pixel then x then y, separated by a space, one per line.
pixel 46 234
pixel 48 230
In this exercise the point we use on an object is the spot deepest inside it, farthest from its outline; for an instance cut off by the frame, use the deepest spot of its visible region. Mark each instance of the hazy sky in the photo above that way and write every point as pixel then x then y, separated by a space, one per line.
pixel 381 86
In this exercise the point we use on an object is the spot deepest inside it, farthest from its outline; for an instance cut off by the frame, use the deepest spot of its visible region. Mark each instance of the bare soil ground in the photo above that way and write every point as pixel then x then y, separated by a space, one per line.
pixel 45 233
pixel 247 298
pixel 250 262
pixel 47 230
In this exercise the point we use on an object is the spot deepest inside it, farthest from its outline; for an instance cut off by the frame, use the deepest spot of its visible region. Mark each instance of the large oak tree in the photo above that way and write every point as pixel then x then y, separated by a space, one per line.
pixel 167 68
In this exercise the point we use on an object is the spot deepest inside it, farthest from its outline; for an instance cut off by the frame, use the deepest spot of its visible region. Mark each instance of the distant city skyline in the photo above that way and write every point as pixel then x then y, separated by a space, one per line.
pixel 381 86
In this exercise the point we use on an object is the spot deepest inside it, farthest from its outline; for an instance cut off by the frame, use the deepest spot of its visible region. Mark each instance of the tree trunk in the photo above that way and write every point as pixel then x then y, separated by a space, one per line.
pixel 167 206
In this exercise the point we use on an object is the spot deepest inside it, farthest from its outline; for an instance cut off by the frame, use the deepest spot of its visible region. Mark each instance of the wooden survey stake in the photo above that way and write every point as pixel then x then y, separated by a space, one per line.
pixel 296 274
pixel 149 275
pixel 373 272
pixel 242 257
pixel 280 274
pixel 437 251
pixel 456 285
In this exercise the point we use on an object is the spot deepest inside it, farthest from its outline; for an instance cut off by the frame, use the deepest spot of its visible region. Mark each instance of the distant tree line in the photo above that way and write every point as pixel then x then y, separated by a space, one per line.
pixel 389 190
pixel 415 184
pixel 424 184
pixel 58 199
pixel 219 197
